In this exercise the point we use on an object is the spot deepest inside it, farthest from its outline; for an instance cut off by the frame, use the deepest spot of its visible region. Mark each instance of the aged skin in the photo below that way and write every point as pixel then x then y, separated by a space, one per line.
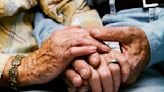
pixel 54 56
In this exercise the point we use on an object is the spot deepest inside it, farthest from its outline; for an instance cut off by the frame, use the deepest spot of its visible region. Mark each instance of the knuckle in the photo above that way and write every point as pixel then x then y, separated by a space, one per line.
pixel 79 61
pixel 94 60
pixel 71 51
pixel 85 33
pixel 80 41
pixel 95 75
pixel 77 81
pixel 114 67
pixel 105 75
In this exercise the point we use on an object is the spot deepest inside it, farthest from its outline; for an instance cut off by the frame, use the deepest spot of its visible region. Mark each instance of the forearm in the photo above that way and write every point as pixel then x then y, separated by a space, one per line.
pixel 33 68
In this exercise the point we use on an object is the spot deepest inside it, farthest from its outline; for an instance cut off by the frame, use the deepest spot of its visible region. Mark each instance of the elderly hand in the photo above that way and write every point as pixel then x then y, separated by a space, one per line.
pixel 134 46
pixel 107 77
pixel 55 55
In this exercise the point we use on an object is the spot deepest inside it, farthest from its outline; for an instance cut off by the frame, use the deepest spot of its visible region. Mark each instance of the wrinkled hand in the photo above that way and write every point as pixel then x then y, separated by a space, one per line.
pixel 105 78
pixel 69 43
pixel 55 55
pixel 134 46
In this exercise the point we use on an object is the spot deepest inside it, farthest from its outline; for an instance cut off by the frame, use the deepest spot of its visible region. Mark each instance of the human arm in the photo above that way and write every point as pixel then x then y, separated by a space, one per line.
pixel 134 46
pixel 53 57
pixel 155 34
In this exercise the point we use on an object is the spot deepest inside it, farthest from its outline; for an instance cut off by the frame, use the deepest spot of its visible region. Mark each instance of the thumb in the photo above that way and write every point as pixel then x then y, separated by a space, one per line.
pixel 117 34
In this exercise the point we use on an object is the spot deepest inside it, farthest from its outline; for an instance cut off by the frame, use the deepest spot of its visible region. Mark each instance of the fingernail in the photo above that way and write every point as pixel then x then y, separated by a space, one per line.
pixel 106 48
pixel 95 31
pixel 76 81
pixel 95 61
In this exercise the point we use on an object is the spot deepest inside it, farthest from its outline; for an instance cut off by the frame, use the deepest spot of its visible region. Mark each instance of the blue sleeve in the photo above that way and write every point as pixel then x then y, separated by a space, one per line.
pixel 44 27
pixel 155 34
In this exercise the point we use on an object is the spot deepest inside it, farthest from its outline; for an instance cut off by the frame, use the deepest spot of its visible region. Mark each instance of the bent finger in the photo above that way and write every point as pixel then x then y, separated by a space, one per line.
pixel 94 60
pixel 101 47
pixel 84 88
pixel 124 65
pixel 73 77
pixel 74 52
pixel 82 68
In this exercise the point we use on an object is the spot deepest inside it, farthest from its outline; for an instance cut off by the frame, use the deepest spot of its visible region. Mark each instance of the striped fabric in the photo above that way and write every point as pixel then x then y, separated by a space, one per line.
pixel 15 29
pixel 71 12
pixel 16 25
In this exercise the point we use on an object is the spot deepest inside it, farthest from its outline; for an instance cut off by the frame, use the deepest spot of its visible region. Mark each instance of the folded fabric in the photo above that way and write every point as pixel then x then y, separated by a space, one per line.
pixel 71 12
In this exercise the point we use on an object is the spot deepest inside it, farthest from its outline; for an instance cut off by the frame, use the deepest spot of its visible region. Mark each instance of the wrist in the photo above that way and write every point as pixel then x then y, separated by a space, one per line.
pixel 8 67
pixel 34 68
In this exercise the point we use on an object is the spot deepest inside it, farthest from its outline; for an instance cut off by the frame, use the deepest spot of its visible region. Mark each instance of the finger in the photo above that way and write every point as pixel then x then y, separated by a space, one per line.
pixel 91 42
pixel 110 33
pixel 107 81
pixel 94 60
pixel 116 73
pixel 106 77
pixel 124 64
pixel 94 81
pixel 73 77
pixel 71 89
pixel 85 82
pixel 125 68
pixel 84 88
pixel 82 68
pixel 74 52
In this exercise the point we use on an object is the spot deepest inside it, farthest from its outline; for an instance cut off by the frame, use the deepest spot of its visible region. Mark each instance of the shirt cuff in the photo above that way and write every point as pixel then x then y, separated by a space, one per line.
pixel 155 35
pixel 44 27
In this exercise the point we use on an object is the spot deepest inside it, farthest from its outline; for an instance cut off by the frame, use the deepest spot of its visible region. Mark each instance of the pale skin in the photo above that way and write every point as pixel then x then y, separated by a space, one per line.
pixel 54 56
pixel 102 76
pixel 135 48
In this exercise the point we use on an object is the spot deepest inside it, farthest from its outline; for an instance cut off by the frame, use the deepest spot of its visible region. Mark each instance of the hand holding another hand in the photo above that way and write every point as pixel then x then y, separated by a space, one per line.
pixel 134 46
pixel 107 77
pixel 55 55
pixel 134 58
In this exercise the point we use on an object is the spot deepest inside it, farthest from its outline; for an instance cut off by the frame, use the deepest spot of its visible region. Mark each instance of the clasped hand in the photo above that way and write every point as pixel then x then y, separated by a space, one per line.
pixel 95 74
